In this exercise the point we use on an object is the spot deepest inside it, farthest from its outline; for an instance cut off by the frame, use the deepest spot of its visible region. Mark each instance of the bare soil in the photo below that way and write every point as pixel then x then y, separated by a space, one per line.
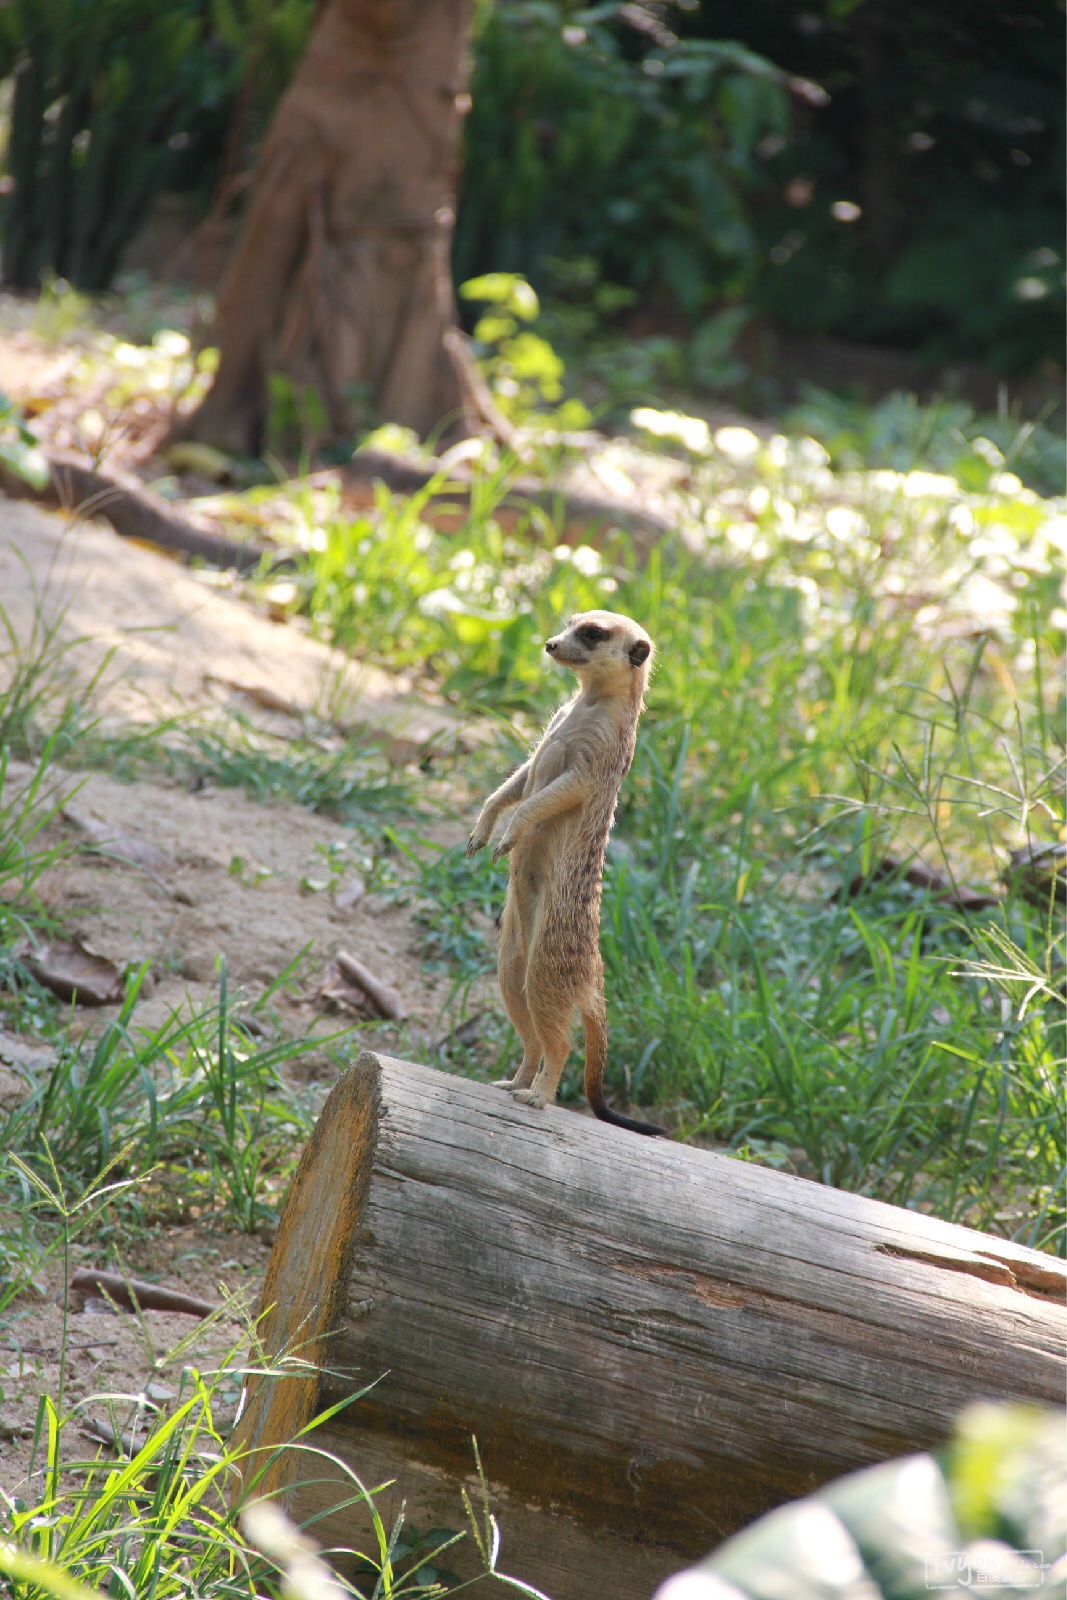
pixel 204 871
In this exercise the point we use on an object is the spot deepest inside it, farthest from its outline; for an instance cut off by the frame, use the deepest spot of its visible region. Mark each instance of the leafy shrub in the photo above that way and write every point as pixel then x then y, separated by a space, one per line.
pixel 117 100
pixel 920 202
pixel 584 141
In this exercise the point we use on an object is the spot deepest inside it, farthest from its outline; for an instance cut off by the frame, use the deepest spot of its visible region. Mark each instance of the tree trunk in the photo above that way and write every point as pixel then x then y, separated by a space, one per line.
pixel 341 281
pixel 652 1344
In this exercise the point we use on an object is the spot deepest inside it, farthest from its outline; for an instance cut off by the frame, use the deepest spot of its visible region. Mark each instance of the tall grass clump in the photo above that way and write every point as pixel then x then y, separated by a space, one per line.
pixel 28 805
pixel 199 1099
pixel 44 713
pixel 345 777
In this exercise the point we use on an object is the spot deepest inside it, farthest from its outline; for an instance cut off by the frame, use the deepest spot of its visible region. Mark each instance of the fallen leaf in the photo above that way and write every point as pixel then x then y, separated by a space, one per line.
pixel 116 845
pixel 74 972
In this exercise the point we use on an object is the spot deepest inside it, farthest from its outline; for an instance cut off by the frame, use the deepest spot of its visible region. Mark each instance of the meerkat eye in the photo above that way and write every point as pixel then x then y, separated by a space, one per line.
pixel 592 635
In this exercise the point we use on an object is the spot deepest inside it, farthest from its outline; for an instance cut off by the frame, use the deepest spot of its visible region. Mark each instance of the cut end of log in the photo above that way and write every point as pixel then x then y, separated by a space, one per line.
pixel 304 1290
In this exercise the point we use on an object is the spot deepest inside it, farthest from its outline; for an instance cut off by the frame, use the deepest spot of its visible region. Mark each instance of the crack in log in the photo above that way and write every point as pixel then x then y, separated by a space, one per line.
pixel 1043 1283
pixel 721 1295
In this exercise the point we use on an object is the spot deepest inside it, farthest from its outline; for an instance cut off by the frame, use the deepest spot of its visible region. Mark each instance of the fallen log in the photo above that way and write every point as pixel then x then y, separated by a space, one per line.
pixel 134 512
pixel 653 1344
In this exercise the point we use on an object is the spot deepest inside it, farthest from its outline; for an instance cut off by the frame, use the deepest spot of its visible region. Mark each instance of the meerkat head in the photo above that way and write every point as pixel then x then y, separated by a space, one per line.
pixel 604 649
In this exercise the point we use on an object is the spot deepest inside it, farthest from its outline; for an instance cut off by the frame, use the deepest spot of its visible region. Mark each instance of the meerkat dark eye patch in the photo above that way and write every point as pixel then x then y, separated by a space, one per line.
pixel 592 635
pixel 639 651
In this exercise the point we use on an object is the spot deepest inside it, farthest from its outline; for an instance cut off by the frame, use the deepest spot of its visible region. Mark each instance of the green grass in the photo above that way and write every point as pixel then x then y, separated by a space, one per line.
pixel 157 1515
pixel 200 1102
pixel 344 777
pixel 948 436
pixel 160 1520
pixel 27 806
pixel 44 699
pixel 851 665
pixel 848 1039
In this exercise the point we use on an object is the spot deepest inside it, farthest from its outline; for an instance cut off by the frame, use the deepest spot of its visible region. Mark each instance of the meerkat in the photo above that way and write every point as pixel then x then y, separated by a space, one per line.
pixel 564 799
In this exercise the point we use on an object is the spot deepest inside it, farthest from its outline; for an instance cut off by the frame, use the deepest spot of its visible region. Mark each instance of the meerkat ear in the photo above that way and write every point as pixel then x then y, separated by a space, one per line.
pixel 639 651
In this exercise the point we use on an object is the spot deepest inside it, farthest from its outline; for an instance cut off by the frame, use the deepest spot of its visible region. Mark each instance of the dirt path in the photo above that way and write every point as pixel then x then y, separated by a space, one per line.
pixel 217 873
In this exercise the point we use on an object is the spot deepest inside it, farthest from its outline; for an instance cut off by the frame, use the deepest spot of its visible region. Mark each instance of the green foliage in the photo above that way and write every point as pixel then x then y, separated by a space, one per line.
pixel 819 703
pixel 40 719
pixel 296 417
pixel 920 208
pixel 159 1521
pixel 988 1514
pixel 813 1027
pixel 91 127
pixel 18 446
pixel 1003 1468
pixel 345 778
pixel 26 809
pixel 700 158
pixel 949 436
pixel 920 203
pixel 385 584
pixel 116 100
pixel 635 150
pixel 523 370
pixel 161 1516
pixel 37 705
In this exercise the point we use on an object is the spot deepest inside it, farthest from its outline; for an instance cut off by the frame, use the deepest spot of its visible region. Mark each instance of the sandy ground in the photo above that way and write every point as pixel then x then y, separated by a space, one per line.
pixel 216 872
pixel 169 641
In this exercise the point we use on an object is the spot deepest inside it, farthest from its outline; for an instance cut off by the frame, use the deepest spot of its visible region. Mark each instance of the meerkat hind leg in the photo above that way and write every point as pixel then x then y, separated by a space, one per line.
pixel 531 1059
pixel 512 982
pixel 524 1076
pixel 543 1088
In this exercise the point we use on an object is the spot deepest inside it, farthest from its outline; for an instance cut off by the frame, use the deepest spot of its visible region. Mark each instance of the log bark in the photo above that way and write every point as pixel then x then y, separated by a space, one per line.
pixel 653 1344
pixel 341 279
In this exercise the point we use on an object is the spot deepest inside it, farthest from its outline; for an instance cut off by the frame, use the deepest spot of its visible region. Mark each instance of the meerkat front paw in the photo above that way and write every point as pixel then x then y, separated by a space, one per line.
pixel 508 841
pixel 479 838
pixel 505 1083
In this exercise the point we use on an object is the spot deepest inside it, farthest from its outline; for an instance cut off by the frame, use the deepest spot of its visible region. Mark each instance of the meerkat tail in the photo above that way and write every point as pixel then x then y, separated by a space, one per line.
pixel 596 1060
